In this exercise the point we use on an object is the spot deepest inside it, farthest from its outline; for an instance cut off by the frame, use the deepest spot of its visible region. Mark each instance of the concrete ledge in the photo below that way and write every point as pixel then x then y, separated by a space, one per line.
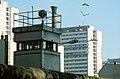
pixel 18 72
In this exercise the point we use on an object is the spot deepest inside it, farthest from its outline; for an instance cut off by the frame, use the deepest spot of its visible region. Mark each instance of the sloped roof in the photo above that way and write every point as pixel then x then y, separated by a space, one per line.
pixel 111 71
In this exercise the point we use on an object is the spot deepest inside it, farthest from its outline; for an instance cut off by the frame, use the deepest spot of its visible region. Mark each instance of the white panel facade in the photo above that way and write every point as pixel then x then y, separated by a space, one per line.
pixel 90 52
pixel 6 25
pixel 61 50
pixel 99 50
pixel 81 57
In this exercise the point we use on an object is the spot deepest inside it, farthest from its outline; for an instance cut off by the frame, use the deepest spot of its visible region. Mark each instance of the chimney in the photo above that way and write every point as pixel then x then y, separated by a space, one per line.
pixel 115 62
pixel 2 36
pixel 54 9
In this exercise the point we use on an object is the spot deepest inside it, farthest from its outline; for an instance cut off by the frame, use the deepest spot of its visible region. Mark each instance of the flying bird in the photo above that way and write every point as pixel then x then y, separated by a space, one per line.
pixel 85 4
pixel 84 14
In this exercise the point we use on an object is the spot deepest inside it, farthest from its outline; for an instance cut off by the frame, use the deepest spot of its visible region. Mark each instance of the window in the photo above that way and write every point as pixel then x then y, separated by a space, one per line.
pixel 37 44
pixel 67 30
pixel 7 14
pixel 81 29
pixel 44 44
pixel 19 46
pixel 50 46
pixel 76 30
pixel 7 9
pixel 8 27
pixel 28 45
pixel 7 23
pixel 7 18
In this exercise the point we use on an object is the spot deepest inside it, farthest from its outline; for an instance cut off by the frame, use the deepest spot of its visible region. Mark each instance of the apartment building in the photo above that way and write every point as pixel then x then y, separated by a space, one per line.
pixel 6 25
pixel 83 57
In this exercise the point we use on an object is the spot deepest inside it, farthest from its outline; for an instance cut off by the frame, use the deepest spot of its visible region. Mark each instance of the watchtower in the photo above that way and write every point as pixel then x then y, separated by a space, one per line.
pixel 37 43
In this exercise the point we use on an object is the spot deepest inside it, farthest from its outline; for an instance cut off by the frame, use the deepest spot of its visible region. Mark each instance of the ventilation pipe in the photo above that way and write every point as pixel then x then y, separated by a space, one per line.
pixel 54 9
pixel 2 36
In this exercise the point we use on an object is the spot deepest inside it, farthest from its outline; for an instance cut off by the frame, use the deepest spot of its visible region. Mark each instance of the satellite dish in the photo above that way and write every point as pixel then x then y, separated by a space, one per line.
pixel 42 13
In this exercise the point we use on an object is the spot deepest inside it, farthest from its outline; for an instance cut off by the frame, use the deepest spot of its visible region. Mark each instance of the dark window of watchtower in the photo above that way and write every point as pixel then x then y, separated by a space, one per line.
pixel 34 45
pixel 44 44
pixel 29 45
pixel 49 45
pixel 19 46
pixel 37 44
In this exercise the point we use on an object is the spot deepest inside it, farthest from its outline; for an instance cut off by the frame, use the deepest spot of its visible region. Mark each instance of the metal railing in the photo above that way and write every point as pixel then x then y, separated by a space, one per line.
pixel 31 18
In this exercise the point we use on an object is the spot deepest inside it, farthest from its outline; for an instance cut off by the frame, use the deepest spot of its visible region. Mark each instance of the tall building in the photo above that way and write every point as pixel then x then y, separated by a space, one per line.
pixel 6 25
pixel 83 57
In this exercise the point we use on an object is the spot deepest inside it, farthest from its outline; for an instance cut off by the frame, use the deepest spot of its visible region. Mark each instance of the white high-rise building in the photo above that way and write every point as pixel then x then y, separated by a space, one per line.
pixel 6 25
pixel 83 57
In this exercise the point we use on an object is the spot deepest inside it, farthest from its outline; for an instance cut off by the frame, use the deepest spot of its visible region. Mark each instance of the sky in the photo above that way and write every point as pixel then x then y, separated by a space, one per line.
pixel 103 15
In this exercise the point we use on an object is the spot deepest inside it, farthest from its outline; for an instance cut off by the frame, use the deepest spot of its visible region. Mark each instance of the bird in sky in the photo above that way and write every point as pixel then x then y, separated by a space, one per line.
pixel 85 4
pixel 85 14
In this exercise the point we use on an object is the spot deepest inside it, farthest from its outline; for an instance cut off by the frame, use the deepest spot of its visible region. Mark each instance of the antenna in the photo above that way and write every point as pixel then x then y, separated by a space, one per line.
pixel 32 16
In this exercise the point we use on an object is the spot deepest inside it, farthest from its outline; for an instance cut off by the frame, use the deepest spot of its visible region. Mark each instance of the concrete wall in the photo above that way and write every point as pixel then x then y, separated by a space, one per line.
pixel 28 58
pixel 36 32
pixel 38 58
pixel 17 72
pixel 52 61
pixel 28 36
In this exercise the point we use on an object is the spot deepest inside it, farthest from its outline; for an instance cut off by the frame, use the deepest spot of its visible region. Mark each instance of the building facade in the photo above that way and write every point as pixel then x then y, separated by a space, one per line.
pixel 61 50
pixel 83 57
pixel 6 25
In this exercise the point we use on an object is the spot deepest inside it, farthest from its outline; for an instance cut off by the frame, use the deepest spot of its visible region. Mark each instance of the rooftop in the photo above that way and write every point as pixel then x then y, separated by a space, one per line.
pixel 38 27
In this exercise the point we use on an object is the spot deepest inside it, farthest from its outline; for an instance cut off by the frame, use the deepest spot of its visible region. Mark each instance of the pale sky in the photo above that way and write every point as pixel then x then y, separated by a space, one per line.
pixel 103 15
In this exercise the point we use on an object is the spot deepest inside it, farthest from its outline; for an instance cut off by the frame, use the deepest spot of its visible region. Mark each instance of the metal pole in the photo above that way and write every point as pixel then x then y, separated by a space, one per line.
pixel 23 21
pixel 27 18
pixel 32 16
